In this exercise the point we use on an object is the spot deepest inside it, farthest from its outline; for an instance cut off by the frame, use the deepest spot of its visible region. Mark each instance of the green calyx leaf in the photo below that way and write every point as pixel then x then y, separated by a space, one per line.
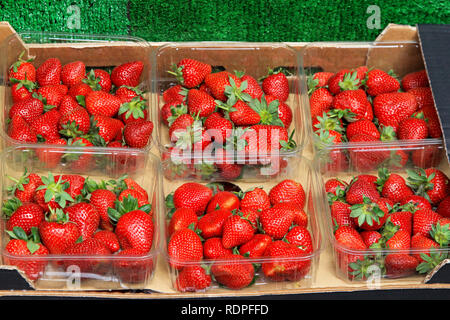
pixel 441 234
pixel 55 191
pixel 133 108
pixel 350 81
pixel 367 212
pixel 10 206
pixel 430 261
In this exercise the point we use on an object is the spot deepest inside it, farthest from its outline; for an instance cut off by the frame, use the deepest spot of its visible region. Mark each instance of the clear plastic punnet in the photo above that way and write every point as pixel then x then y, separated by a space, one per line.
pixel 97 52
pixel 83 264
pixel 335 135
pixel 262 268
pixel 239 154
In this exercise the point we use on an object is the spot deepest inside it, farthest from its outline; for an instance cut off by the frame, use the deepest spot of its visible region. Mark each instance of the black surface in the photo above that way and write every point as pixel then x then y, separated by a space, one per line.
pixel 12 280
pixel 435 43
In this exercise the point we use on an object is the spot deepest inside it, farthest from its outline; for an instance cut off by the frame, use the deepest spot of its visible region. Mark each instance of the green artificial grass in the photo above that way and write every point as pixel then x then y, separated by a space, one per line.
pixel 232 20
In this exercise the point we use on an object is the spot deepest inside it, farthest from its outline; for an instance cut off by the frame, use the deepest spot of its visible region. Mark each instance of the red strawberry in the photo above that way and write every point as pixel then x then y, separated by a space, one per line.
pixel 223 200
pixel 229 171
pixel 175 94
pixel 51 157
pixel 277 220
pixel 200 103
pixel 423 248
pixel 371 238
pixel 370 215
pixel 184 247
pixel 99 79
pixel 85 216
pixel 353 102
pixel 401 240
pixel 415 80
pixel 46 125
pixel 431 183
pixel 285 262
pixel 67 105
pixel 401 220
pixel 190 72
pixel 53 193
pixel 49 72
pixel 218 127
pixel 182 218
pixel 80 89
pixel 192 279
pixel 423 220
pixel 24 188
pixel 217 83
pixel 171 111
pixel 108 239
pixel 348 238
pixel 335 80
pixel 300 237
pixel 138 133
pixel 233 272
pixel 135 266
pixel 180 125
pixel 72 73
pixel 22 69
pixel 393 186
pixel 58 235
pixel 102 103
pixel 92 248
pixel 335 186
pixel 23 247
pixel 192 195
pixel 433 122
pixel 417 202
pixel 236 230
pixel 277 85
pixel 19 130
pixel 318 80
pixel 106 129
pixel 255 199
pixel 284 111
pixel 424 97
pixel 256 246
pixel 413 129
pixel 320 101
pixel 52 94
pixel 24 215
pixel 211 224
pixel 127 74
pixel 379 82
pixel 133 110
pixel 444 207
pixel 400 265
pixel 101 200
pixel 369 156
pixel 75 123
pixel 79 161
pixel 22 90
pixel 253 88
pixel 340 214
pixel 286 191
pixel 391 108
pixel 213 248
pixel 362 127
pixel 241 114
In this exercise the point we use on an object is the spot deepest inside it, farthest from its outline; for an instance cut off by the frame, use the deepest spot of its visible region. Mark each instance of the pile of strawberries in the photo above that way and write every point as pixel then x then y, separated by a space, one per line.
pixel 401 225
pixel 221 109
pixel 368 106
pixel 70 220
pixel 226 236
pixel 71 105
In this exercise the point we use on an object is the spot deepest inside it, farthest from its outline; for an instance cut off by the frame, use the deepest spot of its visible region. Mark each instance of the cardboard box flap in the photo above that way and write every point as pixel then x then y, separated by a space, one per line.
pixel 435 45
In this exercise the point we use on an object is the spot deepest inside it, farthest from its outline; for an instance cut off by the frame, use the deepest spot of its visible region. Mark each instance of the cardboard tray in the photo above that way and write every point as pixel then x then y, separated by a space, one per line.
pixel 13 284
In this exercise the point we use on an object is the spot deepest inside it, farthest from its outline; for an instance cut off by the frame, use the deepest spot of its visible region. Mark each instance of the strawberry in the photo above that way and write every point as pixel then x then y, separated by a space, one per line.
pixel 229 171
pixel 335 80
pixel 58 234
pixel 414 80
pixel 401 220
pixel 24 215
pixel 417 202
pixel 101 200
pixel 430 183
pixel 51 157
pixel 240 113
pixel 433 122
pixel 444 207
pixel 219 81
pixel 92 248
pixel 393 186
pixel 367 157
pixel 236 230
pixel 401 240
pixel 335 186
pixel 80 89
pixel 277 220
pixel 211 224
pixel 425 252
pixel 175 94
pixel 102 103
pixel 67 105
pixel 284 111
pixel 133 110
pixel 127 74
pixel 138 133
pixel 24 188
pixel 285 262
pixel 108 239
pixel 134 225
pixel 286 191
pixel 180 125
pixel 52 95
pixel 22 90
pixel 379 81
pixel 49 72
pixel 320 101
pixel 72 73
pixel 362 127
pixel 349 238
pixel 353 102
pixel 53 193
pixel 400 265
pixel 170 111
pixel 22 69
pixel 213 248
pixel 75 123
pixel 255 199
pixel 423 220
pixel 371 238
pixel 277 85
pixel 135 266
pixel 182 218
pixel 46 125
pixel 184 248
pixel 223 200
pixel 370 215
pixel 340 214
pixel 253 88
pixel 391 108
pixel 300 237
pixel 22 246
pixel 318 80
pixel 218 127
pixel 85 216
pixel 19 130
pixel 99 79
pixel 190 72
pixel 424 97
pixel 192 279
pixel 412 128
pixel 233 272
pixel 192 195
pixel 79 161
pixel 440 232
pixel 200 103
pixel 104 129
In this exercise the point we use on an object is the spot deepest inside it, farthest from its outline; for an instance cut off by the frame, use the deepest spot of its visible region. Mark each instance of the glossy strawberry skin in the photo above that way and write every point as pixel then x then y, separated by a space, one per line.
pixel 256 246
pixel 236 231
pixel 256 199
pixel 49 72
pixel 192 195
pixel 184 247
pixel 233 272
pixel 58 237
pixel 29 109
pixel 286 191
pixel 133 265
pixel 391 108
pixel 217 82
pixel 182 218
pixel 192 279
pixel 277 220
pixel 211 224
pixel 193 72
pixel 98 253
pixel 101 200
pixel 72 73
pixel 379 82
pixel 414 80
pixel 137 134
pixel 213 248
pixel 108 239
pixel 27 216
pixel 127 74
pixel 85 216
pixel 102 103
pixel 276 85
pixel 135 229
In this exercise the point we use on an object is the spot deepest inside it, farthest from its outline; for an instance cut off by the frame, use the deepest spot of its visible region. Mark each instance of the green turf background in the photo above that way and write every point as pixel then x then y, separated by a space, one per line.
pixel 234 20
